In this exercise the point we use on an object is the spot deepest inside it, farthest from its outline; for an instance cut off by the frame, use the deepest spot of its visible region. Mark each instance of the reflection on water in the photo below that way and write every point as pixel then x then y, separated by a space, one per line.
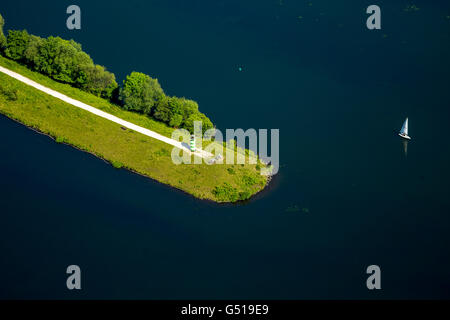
pixel 405 146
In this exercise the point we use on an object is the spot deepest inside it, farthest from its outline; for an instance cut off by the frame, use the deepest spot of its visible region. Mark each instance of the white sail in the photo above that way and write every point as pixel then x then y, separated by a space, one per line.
pixel 405 127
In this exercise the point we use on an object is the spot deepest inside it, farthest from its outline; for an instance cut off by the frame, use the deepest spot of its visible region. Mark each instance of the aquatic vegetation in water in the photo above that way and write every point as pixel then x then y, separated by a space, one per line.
pixel 411 8
pixel 296 208
pixel 293 208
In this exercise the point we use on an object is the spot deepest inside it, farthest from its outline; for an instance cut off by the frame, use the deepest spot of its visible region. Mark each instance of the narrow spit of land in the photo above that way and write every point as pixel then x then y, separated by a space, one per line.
pixel 123 138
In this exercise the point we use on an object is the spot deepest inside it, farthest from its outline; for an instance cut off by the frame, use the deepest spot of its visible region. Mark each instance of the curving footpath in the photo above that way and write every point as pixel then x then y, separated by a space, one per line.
pixel 81 105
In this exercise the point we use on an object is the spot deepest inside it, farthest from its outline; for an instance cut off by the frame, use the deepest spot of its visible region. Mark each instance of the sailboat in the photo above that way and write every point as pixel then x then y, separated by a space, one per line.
pixel 404 131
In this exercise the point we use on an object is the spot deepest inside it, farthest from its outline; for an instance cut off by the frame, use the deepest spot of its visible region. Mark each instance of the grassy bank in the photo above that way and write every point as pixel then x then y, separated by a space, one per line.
pixel 122 148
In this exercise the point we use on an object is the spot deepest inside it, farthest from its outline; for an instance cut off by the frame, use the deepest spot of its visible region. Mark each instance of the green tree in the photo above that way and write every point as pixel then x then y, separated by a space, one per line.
pixel 169 110
pixel 187 107
pixel 99 81
pixel 2 36
pixel 178 112
pixel 31 54
pixel 63 60
pixel 162 110
pixel 206 122
pixel 140 93
pixel 198 116
pixel 176 120
pixel 17 43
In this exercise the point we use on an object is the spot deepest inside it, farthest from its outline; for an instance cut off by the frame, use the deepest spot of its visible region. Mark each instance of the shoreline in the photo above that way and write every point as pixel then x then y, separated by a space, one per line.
pixel 130 170
pixel 49 108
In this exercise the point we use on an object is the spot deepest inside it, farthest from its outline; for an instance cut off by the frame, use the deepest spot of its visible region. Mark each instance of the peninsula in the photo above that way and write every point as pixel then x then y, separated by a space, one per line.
pixel 79 103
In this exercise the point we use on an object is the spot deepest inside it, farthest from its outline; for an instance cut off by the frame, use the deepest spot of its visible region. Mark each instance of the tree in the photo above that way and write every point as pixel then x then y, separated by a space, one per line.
pixel 31 54
pixel 169 110
pixel 99 81
pixel 2 36
pixel 140 93
pixel 162 110
pixel 63 60
pixel 187 107
pixel 176 105
pixel 198 116
pixel 176 120
pixel 178 112
pixel 206 122
pixel 17 43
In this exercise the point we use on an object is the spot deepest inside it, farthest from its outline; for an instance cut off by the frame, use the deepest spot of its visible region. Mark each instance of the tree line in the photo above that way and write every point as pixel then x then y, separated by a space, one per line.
pixel 66 62
pixel 2 36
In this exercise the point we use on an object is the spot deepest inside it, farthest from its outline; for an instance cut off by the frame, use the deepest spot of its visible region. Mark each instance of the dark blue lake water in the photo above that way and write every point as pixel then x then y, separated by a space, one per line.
pixel 338 92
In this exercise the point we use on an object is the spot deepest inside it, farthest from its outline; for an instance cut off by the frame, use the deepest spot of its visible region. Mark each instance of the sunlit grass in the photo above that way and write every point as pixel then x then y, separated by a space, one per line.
pixel 122 148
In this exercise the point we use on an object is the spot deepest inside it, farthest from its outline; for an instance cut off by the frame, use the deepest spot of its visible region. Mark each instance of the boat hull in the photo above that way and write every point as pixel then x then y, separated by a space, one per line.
pixel 404 136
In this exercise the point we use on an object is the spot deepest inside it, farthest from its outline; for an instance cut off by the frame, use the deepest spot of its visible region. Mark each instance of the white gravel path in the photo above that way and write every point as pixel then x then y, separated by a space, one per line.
pixel 81 105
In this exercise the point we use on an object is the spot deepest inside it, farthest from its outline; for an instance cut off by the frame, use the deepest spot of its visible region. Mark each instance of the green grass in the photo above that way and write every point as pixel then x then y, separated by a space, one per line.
pixel 122 148
pixel 90 99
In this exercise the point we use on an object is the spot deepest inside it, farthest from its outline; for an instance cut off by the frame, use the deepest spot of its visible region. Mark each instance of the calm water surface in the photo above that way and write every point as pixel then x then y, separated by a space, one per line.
pixel 338 93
